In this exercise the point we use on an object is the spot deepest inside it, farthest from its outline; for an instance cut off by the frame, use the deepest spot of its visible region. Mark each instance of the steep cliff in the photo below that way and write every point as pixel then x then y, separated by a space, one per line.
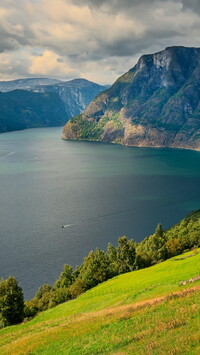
pixel 156 103
pixel 76 94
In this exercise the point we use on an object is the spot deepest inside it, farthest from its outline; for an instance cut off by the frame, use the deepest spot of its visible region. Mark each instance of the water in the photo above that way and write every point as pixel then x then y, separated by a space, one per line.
pixel 98 192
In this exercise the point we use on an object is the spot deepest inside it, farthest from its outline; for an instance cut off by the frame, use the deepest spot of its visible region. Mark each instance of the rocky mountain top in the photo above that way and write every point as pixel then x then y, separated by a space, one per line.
pixel 156 103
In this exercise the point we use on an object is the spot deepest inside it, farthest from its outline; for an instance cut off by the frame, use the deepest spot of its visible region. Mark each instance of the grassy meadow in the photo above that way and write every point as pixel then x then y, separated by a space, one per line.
pixel 145 311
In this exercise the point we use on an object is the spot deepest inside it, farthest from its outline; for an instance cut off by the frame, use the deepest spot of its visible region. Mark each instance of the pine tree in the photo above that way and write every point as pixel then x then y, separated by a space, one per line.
pixel 11 302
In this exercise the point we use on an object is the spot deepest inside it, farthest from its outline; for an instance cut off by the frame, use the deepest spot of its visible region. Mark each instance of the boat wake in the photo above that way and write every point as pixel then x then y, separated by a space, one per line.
pixel 98 218
pixel 68 225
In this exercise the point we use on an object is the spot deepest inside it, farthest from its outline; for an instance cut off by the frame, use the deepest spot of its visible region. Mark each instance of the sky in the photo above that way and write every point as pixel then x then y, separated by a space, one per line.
pixel 98 40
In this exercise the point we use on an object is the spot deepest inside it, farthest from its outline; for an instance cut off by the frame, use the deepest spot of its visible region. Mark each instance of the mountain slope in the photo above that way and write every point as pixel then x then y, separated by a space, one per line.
pixel 20 109
pixel 156 103
pixel 76 94
pixel 26 103
pixel 145 311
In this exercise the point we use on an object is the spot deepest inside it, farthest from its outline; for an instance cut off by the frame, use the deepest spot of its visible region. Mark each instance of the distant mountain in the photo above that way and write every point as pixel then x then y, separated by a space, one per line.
pixel 76 94
pixel 156 103
pixel 43 102
pixel 25 84
pixel 22 109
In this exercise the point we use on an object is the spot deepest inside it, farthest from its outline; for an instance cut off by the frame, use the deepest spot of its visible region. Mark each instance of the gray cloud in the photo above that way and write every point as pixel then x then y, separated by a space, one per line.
pixel 114 3
pixel 191 4
pixel 93 38
pixel 127 5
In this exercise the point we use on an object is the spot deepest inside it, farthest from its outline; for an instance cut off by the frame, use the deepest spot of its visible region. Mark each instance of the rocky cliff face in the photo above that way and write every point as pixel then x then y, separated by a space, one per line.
pixel 156 103
pixel 76 94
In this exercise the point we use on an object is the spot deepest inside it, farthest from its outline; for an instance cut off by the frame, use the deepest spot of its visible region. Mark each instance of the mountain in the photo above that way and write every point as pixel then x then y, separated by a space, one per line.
pixel 20 109
pixel 156 103
pixel 25 84
pixel 43 102
pixel 76 94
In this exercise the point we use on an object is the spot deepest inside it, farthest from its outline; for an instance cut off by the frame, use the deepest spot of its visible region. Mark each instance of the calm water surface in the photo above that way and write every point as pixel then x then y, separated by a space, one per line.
pixel 97 191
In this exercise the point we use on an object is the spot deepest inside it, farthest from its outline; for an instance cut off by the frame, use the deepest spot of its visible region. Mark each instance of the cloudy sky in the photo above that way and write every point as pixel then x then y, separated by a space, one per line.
pixel 93 39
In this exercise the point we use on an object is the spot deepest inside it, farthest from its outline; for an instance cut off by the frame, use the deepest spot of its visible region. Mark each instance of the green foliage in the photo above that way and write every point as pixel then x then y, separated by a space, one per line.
pixel 159 231
pixel 58 296
pixel 45 298
pixel 112 257
pixel 85 129
pixel 95 268
pixel 125 255
pixel 43 289
pixel 174 246
pixel 188 230
pixel 66 277
pixel 152 249
pixel 11 302
pixel 31 308
pixel 77 288
pixel 20 109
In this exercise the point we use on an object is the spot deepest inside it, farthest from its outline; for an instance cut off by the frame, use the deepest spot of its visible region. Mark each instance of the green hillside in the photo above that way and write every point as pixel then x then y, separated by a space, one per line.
pixel 20 109
pixel 148 310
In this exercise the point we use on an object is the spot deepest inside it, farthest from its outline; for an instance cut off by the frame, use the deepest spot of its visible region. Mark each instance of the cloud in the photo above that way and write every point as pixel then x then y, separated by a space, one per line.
pixel 192 5
pixel 96 39
pixel 50 64
pixel 14 65
pixel 118 5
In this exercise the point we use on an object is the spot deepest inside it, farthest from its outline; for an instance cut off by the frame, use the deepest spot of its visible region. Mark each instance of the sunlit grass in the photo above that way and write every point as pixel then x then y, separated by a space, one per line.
pixel 130 314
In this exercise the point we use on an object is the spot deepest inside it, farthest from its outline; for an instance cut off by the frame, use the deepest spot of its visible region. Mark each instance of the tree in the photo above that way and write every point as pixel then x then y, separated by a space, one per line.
pixel 174 246
pixel 111 253
pixel 58 296
pixel 126 255
pixel 42 290
pixel 95 269
pixel 155 245
pixel 66 277
pixel 112 257
pixel 159 231
pixel 11 302
pixel 77 288
pixel 31 308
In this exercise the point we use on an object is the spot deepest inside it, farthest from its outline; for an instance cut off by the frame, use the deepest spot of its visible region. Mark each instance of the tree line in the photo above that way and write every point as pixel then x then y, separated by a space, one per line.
pixel 98 267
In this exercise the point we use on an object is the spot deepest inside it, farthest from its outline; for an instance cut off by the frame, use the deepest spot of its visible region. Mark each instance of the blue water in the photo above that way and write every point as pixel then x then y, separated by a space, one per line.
pixel 99 192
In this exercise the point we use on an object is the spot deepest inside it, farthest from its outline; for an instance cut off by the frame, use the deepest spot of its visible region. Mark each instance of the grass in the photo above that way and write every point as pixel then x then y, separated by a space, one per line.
pixel 145 311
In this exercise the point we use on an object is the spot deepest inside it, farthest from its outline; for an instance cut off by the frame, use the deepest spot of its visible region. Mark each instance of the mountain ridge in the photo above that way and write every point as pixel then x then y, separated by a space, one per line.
pixel 76 94
pixel 25 84
pixel 156 103
pixel 51 102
